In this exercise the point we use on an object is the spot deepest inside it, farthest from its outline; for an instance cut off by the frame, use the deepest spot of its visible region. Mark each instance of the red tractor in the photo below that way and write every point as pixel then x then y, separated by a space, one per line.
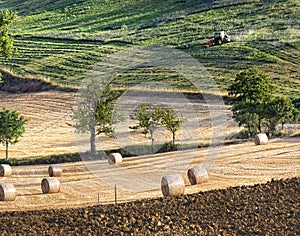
pixel 220 38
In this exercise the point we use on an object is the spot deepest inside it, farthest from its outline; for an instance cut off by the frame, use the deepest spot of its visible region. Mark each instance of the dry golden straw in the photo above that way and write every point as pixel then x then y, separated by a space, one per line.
pixel 7 192
pixel 55 171
pixel 172 185
pixel 5 170
pixel 114 158
pixel 197 175
pixel 50 185
pixel 261 139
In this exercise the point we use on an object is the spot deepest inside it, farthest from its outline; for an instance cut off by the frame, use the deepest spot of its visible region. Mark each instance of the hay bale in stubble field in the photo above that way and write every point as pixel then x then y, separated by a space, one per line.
pixel 197 175
pixel 55 171
pixel 261 139
pixel 50 185
pixel 114 158
pixel 172 185
pixel 5 170
pixel 7 192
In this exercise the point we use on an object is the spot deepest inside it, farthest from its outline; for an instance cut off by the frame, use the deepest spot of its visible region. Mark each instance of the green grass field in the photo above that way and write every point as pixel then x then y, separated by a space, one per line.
pixel 61 40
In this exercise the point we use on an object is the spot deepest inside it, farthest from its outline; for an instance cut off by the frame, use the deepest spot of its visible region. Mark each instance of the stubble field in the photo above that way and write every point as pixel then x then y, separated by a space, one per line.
pixel 49 132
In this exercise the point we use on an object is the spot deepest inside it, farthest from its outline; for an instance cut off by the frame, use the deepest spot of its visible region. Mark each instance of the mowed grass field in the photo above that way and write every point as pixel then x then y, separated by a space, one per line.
pixel 60 41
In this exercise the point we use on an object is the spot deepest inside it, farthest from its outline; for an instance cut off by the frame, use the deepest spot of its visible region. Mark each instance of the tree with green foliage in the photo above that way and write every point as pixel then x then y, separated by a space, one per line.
pixel 150 118
pixel 255 105
pixel 171 122
pixel 244 115
pixel 280 110
pixel 11 127
pixel 252 90
pixel 105 116
pixel 7 48
pixel 94 112
pixel 252 85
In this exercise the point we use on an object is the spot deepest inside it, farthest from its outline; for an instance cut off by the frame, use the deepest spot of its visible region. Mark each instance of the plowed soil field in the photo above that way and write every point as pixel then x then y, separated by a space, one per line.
pixel 262 209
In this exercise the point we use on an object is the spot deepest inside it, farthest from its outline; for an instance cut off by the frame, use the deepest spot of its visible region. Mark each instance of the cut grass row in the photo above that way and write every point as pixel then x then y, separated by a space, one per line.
pixel 56 60
pixel 70 65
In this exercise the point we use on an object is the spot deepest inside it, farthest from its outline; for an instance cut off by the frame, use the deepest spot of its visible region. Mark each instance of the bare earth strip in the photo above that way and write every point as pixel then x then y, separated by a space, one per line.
pixel 49 132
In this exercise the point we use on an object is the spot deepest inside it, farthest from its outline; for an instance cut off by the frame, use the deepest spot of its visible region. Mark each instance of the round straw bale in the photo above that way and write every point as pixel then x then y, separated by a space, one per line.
pixel 197 175
pixel 172 185
pixel 55 170
pixel 261 139
pixel 114 158
pixel 5 170
pixel 7 192
pixel 50 185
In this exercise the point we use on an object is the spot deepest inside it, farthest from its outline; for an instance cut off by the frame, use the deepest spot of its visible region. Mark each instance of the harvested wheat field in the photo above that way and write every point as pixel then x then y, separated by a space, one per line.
pixel 49 132
pixel 240 164
pixel 49 129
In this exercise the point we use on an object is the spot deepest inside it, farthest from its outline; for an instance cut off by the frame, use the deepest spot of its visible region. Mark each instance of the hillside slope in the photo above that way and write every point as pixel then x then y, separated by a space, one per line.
pixel 61 40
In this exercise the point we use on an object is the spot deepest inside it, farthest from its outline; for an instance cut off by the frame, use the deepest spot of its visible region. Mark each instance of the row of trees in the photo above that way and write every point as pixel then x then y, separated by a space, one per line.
pixel 151 117
pixel 95 114
pixel 255 105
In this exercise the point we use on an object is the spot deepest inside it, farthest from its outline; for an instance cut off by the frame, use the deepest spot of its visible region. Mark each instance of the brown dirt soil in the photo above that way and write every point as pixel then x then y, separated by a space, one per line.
pixel 262 209
pixel 16 84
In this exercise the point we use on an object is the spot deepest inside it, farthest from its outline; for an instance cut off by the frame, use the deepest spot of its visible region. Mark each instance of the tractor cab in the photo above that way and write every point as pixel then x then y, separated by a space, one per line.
pixel 218 39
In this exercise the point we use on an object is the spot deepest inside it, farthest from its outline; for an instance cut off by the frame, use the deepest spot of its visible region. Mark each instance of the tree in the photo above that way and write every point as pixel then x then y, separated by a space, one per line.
pixel 94 111
pixel 150 118
pixel 104 115
pixel 280 110
pixel 252 91
pixel 171 122
pixel 251 85
pixel 244 115
pixel 11 127
pixel 255 105
pixel 7 48
pixel 6 41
